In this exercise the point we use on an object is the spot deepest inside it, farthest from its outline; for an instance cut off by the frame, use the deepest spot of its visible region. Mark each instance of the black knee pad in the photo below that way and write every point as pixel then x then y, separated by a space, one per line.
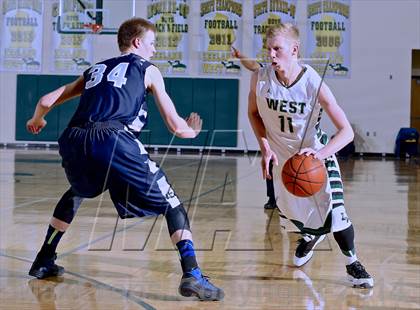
pixel 177 219
pixel 67 207
pixel 345 238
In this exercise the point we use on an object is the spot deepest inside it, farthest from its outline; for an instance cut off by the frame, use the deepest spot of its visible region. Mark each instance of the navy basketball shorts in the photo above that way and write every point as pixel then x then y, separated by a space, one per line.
pixel 100 158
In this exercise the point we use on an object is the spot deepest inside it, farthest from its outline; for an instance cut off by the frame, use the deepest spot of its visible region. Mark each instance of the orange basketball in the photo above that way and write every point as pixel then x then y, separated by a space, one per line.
pixel 303 176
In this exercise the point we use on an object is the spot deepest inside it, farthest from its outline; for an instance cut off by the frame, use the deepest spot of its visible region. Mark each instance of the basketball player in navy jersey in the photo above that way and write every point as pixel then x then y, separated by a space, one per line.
pixel 101 151
pixel 285 103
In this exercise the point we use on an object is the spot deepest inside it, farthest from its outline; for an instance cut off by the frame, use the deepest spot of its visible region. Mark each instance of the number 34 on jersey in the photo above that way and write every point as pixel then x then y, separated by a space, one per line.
pixel 116 75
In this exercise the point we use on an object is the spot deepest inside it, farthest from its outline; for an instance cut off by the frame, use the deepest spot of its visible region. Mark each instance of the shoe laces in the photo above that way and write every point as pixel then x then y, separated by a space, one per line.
pixel 302 240
pixel 358 267
pixel 205 281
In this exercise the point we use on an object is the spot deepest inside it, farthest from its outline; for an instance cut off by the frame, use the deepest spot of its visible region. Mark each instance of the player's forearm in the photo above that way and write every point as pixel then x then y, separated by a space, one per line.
pixel 180 128
pixel 175 124
pixel 42 108
pixel 341 139
pixel 251 65
pixel 48 101
pixel 259 131
pixel 185 133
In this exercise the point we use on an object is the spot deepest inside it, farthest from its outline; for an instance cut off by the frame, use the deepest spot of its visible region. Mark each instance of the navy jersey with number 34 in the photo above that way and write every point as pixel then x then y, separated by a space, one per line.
pixel 114 91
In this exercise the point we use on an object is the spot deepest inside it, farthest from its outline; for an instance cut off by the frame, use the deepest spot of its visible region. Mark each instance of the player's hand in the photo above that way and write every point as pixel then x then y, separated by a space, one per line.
pixel 194 122
pixel 235 53
pixel 309 151
pixel 265 163
pixel 35 126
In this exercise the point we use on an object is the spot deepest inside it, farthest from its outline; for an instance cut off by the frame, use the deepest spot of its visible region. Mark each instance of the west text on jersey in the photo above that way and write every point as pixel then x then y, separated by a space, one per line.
pixel 286 106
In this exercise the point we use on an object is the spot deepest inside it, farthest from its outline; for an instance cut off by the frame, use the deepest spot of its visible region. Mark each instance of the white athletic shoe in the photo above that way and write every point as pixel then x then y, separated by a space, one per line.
pixel 358 276
pixel 304 250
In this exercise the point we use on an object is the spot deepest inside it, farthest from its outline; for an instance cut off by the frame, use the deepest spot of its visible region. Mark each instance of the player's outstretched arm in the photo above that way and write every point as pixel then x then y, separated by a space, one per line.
pixel 259 129
pixel 50 100
pixel 250 64
pixel 344 133
pixel 188 128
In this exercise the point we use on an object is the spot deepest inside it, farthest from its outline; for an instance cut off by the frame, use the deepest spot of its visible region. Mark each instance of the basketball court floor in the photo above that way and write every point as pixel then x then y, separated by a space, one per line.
pixel 131 264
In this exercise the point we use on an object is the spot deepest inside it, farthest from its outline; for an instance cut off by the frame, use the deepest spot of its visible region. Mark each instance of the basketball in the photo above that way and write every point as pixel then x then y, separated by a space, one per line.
pixel 303 176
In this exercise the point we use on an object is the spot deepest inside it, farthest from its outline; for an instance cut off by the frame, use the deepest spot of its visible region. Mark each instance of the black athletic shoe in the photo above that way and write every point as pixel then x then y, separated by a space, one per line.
pixel 270 204
pixel 304 250
pixel 44 268
pixel 358 275
pixel 193 283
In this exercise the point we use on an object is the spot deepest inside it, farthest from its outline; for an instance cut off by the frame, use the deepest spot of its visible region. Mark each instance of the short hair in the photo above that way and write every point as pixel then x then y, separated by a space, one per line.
pixel 131 29
pixel 287 29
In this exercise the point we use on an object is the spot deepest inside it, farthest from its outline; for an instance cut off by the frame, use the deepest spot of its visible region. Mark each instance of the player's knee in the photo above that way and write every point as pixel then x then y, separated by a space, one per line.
pixel 177 219
pixel 67 207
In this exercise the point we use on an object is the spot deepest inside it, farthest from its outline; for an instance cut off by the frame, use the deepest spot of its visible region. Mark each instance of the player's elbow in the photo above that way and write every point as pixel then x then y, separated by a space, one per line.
pixel 250 115
pixel 253 114
pixel 255 67
pixel 45 102
pixel 349 134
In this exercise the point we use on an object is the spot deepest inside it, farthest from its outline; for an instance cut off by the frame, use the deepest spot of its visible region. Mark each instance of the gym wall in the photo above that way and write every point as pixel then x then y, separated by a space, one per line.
pixel 376 98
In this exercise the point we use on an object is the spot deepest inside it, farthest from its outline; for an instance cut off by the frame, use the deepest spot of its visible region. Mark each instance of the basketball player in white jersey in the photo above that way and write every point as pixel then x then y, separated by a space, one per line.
pixel 281 99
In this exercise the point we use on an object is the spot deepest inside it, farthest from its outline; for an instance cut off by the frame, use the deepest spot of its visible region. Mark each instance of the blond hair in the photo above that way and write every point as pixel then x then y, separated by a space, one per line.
pixel 131 29
pixel 287 29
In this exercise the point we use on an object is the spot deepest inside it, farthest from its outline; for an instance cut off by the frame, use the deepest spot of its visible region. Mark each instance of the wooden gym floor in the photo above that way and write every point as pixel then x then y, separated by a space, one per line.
pixel 131 264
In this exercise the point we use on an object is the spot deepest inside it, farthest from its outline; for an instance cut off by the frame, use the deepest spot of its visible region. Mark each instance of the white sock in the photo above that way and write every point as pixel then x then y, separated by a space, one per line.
pixel 350 256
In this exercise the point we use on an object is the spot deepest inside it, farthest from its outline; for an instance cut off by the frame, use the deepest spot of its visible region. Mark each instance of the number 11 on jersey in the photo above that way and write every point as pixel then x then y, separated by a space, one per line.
pixel 282 123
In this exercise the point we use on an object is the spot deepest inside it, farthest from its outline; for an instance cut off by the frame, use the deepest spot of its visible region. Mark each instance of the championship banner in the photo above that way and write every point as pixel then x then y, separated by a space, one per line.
pixel 221 27
pixel 268 13
pixel 171 20
pixel 21 35
pixel 72 53
pixel 328 36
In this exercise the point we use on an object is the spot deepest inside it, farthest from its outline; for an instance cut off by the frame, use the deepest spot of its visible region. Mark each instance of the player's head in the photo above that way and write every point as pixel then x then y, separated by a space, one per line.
pixel 283 44
pixel 137 35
